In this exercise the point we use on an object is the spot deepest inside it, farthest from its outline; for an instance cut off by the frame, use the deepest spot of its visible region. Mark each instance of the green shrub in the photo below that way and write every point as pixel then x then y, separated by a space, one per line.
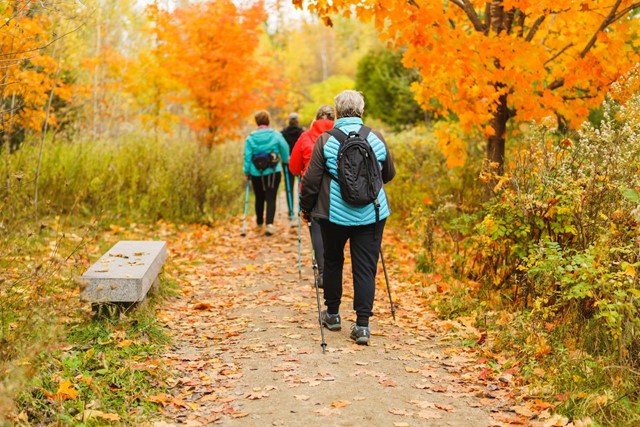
pixel 431 199
pixel 560 239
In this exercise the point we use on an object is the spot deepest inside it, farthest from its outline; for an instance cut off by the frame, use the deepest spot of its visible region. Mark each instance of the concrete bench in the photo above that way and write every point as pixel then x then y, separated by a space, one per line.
pixel 125 273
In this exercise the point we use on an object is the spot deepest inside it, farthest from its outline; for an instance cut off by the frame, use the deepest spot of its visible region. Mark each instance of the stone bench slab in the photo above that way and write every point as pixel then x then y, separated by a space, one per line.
pixel 125 273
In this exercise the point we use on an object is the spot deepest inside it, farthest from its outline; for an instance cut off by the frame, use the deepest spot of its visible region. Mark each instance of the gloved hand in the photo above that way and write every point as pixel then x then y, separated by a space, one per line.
pixel 306 216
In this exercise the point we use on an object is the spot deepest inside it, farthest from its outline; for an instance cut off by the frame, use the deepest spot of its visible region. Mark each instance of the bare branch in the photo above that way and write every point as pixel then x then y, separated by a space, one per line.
pixel 573 98
pixel 15 15
pixel 559 53
pixel 556 84
pixel 605 23
pixel 44 45
pixel 625 11
pixel 534 28
pixel 467 7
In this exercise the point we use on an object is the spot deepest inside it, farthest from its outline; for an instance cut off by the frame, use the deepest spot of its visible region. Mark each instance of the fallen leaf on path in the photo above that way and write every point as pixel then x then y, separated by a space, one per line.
pixel 239 414
pixel 401 424
pixel 557 420
pixel 511 419
pixel 161 398
pixel 256 396
pixel 444 407
pixel 524 411
pixel 388 382
pixel 429 415
pixel 340 403
pixel 400 411
pixel 411 370
pixel 423 404
pixel 202 306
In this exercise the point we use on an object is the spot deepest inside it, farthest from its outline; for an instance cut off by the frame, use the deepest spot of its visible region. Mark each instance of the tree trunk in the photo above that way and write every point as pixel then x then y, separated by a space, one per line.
pixel 496 142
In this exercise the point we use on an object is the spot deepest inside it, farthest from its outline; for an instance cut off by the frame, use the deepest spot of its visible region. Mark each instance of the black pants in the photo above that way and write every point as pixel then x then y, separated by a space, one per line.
pixel 316 243
pixel 265 189
pixel 364 244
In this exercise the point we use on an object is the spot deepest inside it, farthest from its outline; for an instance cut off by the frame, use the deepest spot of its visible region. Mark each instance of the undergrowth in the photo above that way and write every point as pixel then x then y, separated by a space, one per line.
pixel 548 264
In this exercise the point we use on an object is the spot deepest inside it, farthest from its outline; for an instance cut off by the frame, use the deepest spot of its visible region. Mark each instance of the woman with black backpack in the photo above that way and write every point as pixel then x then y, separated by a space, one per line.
pixel 343 190
pixel 264 149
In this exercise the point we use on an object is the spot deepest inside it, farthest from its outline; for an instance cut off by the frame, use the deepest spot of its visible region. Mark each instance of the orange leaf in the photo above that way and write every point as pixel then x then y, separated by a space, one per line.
pixel 66 391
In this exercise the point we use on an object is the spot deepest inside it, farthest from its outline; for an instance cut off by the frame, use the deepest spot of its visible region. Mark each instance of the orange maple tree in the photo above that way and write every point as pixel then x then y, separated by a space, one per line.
pixel 490 62
pixel 209 48
pixel 27 71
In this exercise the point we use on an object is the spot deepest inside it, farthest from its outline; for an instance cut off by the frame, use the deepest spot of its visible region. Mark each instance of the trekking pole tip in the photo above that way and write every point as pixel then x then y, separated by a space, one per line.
pixel 324 347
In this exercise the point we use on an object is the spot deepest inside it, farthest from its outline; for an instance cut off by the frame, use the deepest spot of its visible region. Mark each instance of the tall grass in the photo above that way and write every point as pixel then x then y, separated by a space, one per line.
pixel 133 177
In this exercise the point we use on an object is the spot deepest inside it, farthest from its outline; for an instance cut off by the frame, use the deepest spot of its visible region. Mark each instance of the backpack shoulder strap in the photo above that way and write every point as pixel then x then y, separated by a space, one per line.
pixel 364 131
pixel 337 134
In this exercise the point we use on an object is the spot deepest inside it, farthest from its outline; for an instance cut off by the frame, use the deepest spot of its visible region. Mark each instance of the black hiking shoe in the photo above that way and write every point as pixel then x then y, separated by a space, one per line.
pixel 331 321
pixel 360 334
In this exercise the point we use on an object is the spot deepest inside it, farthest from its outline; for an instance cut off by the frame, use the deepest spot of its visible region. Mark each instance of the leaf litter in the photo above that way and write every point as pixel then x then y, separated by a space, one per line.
pixel 246 344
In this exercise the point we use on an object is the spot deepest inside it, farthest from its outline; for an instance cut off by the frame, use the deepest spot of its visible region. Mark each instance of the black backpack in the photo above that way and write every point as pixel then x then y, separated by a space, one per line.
pixel 262 161
pixel 359 173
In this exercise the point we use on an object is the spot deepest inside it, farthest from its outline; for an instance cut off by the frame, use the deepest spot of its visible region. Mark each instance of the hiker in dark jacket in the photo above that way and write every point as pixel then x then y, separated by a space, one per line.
pixel 265 183
pixel 340 222
pixel 291 134
pixel 300 157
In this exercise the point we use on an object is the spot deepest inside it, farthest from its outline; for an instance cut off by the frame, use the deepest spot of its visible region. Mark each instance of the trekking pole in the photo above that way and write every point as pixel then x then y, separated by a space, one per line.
pixel 323 344
pixel 386 278
pixel 289 191
pixel 299 246
pixel 246 206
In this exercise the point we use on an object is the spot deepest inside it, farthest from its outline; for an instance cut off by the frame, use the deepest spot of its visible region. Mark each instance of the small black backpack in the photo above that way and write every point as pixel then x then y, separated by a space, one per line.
pixel 264 161
pixel 359 172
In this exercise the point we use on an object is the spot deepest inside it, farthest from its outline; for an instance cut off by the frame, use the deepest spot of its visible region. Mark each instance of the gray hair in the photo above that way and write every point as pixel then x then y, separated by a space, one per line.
pixel 349 103
pixel 325 112
pixel 293 119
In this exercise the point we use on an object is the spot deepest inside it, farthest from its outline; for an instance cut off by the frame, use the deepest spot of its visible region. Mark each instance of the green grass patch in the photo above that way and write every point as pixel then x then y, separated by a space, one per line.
pixel 104 371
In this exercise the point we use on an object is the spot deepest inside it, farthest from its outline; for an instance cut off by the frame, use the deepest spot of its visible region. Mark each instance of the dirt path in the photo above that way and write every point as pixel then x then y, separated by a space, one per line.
pixel 246 346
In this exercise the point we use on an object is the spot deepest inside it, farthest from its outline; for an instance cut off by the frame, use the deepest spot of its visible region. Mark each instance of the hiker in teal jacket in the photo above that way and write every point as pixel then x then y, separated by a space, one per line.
pixel 340 222
pixel 265 183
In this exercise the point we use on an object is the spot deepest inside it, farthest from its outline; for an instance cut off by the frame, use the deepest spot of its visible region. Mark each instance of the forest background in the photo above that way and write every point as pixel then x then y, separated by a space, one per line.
pixel 514 127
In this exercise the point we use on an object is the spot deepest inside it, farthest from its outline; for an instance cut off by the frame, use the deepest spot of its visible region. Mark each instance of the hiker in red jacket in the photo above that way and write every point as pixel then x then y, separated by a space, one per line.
pixel 298 163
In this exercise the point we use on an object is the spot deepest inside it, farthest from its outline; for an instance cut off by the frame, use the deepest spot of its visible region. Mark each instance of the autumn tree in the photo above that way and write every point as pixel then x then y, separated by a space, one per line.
pixel 491 62
pixel 27 69
pixel 209 49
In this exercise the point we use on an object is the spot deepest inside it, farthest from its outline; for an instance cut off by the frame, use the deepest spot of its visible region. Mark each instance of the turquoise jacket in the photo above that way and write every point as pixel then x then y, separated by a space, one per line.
pixel 264 140
pixel 320 193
